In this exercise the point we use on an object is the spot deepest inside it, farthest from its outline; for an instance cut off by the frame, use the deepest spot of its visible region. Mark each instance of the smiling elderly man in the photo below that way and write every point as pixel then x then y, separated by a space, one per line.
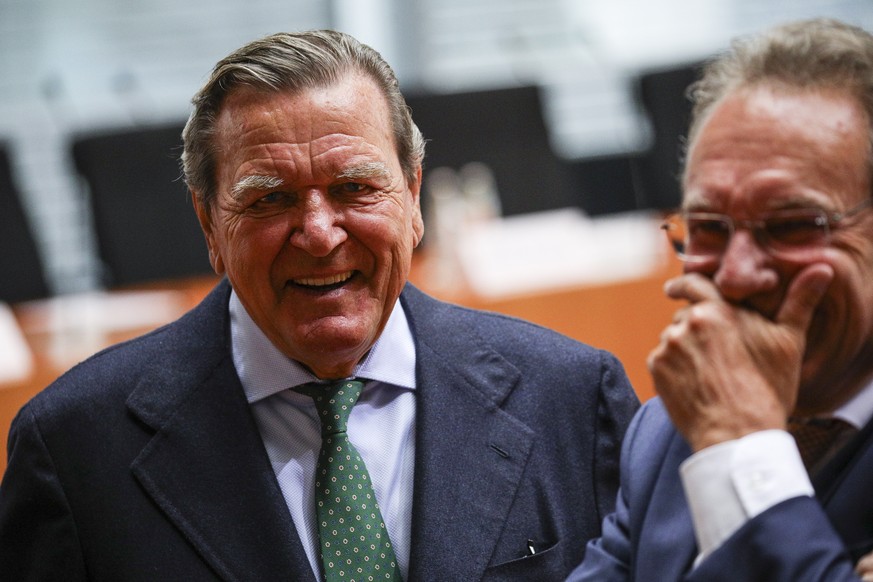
pixel 315 417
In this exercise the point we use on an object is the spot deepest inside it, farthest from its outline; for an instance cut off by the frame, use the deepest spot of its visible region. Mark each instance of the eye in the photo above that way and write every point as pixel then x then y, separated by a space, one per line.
pixel 350 188
pixel 353 191
pixel 271 197
pixel 797 228
pixel 277 197
pixel 706 234
pixel 272 201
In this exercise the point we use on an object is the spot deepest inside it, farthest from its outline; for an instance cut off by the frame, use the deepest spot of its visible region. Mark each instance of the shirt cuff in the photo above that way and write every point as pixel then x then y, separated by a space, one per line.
pixel 730 483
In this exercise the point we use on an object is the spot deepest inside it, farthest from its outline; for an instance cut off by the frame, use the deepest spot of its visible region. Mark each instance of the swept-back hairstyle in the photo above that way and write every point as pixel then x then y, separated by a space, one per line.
pixel 290 62
pixel 809 54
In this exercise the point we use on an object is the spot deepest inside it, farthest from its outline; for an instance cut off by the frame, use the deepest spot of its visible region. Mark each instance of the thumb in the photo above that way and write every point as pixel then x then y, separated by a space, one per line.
pixel 804 295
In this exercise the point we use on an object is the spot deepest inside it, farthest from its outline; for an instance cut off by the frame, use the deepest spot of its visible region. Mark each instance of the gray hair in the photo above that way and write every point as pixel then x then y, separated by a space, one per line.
pixel 290 62
pixel 810 54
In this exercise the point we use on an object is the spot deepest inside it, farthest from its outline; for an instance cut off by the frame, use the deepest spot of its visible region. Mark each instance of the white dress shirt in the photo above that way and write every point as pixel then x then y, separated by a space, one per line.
pixel 381 425
pixel 730 483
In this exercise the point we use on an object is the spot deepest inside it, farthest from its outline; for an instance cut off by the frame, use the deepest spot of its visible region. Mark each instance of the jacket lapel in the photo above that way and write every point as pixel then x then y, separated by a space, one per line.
pixel 470 454
pixel 667 544
pixel 843 487
pixel 206 467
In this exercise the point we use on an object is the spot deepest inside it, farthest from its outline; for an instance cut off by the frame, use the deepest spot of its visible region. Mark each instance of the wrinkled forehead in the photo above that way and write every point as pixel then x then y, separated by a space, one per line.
pixel 338 131
pixel 764 139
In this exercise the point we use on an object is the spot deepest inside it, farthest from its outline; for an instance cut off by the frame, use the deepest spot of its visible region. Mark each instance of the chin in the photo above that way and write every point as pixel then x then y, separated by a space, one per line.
pixel 337 341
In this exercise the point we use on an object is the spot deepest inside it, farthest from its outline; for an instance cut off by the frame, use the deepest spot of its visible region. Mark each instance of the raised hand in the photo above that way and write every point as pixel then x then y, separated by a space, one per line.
pixel 723 370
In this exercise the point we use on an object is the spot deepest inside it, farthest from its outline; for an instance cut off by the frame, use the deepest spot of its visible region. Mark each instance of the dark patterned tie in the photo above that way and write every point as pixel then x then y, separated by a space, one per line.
pixel 817 438
pixel 354 541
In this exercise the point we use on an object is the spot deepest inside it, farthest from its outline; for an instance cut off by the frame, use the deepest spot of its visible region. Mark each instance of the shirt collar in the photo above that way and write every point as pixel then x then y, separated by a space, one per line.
pixel 264 370
pixel 859 409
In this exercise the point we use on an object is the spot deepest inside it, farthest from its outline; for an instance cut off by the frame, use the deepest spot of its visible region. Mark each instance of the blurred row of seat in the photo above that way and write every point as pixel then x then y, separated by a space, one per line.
pixel 143 217
pixel 146 228
pixel 506 130
pixel 22 275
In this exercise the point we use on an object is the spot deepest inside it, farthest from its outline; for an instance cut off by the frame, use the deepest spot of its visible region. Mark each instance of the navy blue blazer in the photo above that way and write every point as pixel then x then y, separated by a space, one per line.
pixel 145 463
pixel 650 536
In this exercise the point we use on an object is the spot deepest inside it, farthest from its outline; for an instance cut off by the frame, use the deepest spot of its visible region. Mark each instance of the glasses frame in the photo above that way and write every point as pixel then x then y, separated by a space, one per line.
pixel 830 221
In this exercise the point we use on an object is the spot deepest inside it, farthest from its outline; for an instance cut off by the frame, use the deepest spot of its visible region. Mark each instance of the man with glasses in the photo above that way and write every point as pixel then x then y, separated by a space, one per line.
pixel 756 461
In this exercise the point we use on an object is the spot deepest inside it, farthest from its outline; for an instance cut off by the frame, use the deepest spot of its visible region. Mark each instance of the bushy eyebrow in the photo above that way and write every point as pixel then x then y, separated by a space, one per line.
pixel 256 182
pixel 369 170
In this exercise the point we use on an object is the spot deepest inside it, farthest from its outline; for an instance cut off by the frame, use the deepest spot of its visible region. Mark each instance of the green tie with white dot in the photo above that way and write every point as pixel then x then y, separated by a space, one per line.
pixel 354 541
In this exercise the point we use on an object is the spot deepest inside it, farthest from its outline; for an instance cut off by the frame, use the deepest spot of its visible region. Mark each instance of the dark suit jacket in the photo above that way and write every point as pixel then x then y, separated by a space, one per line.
pixel 650 536
pixel 144 462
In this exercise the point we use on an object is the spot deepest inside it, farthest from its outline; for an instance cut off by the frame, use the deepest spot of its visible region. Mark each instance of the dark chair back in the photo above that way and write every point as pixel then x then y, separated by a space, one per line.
pixel 22 275
pixel 502 128
pixel 662 94
pixel 145 222
pixel 607 184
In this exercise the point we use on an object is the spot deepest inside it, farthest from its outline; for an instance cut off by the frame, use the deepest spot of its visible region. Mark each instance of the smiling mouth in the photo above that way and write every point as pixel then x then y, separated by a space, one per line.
pixel 323 283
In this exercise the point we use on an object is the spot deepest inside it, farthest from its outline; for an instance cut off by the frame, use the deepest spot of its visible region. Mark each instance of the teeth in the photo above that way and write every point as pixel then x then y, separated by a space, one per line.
pixel 322 281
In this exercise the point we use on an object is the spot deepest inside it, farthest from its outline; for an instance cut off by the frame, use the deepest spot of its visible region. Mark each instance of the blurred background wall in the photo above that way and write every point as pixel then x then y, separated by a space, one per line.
pixel 73 67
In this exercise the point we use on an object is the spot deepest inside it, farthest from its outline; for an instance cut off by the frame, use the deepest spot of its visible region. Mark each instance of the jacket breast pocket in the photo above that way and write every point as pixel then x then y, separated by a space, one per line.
pixel 543 566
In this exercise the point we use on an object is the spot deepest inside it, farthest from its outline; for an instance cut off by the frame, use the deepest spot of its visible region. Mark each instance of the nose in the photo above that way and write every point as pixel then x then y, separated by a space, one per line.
pixel 745 269
pixel 317 231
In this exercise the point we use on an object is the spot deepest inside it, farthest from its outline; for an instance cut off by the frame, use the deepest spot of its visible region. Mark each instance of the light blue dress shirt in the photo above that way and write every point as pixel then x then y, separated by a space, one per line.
pixel 381 425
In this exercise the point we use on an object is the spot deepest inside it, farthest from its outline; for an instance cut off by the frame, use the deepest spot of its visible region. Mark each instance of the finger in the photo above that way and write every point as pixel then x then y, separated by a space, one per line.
pixel 865 564
pixel 804 295
pixel 692 287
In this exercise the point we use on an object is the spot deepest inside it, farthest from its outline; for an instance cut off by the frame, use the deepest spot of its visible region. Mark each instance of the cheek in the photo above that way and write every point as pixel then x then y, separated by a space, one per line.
pixel 856 303
pixel 385 234
pixel 390 246
pixel 844 318
pixel 251 245
pixel 852 287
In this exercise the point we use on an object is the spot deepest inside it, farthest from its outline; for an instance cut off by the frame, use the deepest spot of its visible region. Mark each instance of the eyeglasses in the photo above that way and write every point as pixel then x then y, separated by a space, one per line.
pixel 699 237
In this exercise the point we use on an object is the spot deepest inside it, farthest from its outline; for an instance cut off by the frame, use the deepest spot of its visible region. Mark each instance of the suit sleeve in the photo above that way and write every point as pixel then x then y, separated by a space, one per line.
pixel 608 558
pixel 617 405
pixel 38 538
pixel 790 542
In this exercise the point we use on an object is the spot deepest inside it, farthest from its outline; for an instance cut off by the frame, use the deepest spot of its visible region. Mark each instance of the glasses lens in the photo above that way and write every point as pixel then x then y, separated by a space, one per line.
pixel 796 230
pixel 701 236
pixel 698 237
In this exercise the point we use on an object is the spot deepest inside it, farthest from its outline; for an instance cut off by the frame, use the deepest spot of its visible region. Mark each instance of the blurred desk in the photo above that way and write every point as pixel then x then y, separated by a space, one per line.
pixel 624 317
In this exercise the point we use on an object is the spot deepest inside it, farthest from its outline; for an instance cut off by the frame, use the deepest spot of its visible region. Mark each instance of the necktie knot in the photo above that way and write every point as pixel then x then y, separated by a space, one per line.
pixel 334 403
pixel 818 438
